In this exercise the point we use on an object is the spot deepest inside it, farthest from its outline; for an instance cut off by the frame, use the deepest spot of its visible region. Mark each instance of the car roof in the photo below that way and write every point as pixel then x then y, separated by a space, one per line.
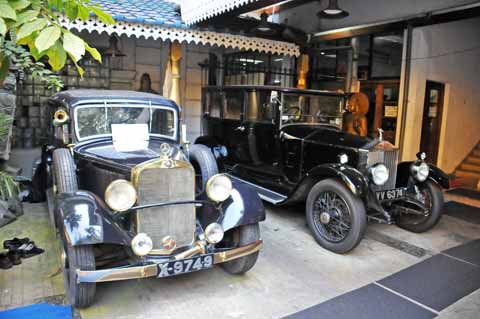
pixel 72 98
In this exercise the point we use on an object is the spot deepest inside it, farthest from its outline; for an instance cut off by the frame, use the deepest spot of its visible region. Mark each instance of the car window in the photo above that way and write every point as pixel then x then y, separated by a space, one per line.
pixel 259 108
pixel 233 104
pixel 97 120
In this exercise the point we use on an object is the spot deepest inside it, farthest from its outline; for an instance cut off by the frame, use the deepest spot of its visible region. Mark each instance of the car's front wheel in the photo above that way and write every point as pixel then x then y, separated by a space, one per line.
pixel 335 216
pixel 431 197
pixel 242 236
pixel 205 165
pixel 75 258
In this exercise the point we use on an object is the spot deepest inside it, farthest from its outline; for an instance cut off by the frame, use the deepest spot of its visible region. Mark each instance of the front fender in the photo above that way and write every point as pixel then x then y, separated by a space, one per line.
pixel 353 179
pixel 84 220
pixel 243 207
pixel 435 174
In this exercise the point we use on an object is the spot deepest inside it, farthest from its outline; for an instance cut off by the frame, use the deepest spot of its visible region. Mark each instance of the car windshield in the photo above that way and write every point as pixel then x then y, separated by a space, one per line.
pixel 97 120
pixel 312 109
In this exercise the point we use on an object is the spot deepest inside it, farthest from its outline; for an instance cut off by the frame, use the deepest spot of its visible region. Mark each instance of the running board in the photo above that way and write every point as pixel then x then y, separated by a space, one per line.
pixel 263 193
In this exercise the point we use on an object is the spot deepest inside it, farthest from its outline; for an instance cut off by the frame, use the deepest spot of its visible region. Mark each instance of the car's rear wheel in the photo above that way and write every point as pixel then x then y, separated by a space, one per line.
pixel 335 216
pixel 242 236
pixel 75 258
pixel 204 163
pixel 431 196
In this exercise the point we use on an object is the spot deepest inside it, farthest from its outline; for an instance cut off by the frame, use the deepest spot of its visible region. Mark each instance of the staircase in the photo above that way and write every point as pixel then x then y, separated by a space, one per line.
pixel 470 167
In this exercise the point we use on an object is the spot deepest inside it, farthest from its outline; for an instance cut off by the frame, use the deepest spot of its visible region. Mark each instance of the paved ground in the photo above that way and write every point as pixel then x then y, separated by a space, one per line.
pixel 292 273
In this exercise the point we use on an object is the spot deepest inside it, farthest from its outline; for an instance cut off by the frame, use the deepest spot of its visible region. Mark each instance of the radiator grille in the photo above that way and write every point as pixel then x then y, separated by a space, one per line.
pixel 163 185
pixel 390 159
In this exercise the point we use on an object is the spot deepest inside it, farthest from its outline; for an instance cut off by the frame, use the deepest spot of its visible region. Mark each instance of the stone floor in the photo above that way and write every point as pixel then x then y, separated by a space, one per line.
pixel 292 272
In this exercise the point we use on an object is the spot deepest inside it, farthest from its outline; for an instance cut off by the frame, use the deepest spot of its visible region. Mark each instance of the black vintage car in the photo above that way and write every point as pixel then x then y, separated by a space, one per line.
pixel 289 145
pixel 130 200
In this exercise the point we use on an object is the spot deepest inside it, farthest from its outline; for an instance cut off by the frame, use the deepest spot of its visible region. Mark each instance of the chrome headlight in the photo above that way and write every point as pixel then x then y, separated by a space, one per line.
pixel 141 244
pixel 120 195
pixel 219 187
pixel 214 233
pixel 420 171
pixel 379 174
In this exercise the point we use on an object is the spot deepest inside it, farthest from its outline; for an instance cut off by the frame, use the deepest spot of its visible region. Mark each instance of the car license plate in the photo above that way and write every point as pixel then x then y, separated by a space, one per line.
pixel 177 267
pixel 391 194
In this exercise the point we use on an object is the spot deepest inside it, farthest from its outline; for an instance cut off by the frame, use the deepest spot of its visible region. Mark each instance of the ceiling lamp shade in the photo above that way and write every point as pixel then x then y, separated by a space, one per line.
pixel 333 11
pixel 263 26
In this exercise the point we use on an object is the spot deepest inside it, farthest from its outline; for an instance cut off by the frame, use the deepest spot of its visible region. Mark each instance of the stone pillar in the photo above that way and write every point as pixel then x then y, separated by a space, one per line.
pixel 175 57
pixel 303 66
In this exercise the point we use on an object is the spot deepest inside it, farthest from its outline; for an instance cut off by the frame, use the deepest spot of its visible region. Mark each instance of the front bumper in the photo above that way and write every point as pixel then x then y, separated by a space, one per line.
pixel 151 269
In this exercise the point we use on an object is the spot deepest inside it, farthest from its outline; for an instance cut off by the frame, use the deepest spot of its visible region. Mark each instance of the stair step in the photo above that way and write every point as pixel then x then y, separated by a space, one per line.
pixel 473 160
pixel 462 173
pixel 470 167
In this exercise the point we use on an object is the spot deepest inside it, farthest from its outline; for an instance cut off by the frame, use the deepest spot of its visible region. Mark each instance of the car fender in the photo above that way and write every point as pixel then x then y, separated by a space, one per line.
pixel 243 207
pixel 435 174
pixel 351 177
pixel 85 220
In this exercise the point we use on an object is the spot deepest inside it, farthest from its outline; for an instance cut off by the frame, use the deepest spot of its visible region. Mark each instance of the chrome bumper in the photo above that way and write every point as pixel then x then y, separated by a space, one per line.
pixel 151 270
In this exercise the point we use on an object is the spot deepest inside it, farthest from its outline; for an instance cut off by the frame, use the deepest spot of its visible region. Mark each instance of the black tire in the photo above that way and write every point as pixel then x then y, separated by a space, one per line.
pixel 424 223
pixel 204 163
pixel 64 174
pixel 349 211
pixel 242 236
pixel 80 295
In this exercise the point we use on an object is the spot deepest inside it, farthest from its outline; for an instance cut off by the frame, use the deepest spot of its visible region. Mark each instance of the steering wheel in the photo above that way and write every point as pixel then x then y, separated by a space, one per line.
pixel 294 113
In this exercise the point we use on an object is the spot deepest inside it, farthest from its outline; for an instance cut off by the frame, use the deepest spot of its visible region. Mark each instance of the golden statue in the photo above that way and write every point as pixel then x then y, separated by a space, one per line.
pixel 355 120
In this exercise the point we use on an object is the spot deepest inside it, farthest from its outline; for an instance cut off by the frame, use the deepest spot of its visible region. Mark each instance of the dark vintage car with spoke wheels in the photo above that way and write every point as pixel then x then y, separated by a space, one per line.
pixel 130 200
pixel 290 146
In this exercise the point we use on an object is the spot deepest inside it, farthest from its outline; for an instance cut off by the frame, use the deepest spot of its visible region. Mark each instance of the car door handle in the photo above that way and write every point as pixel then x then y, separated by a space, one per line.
pixel 241 128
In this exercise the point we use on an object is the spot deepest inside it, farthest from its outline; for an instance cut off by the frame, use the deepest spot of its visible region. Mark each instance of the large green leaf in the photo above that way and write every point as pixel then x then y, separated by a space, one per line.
pixel 7 12
pixel 26 16
pixel 93 52
pixel 19 4
pixel 103 16
pixel 74 46
pixel 79 68
pixel 47 37
pixel 4 66
pixel 83 13
pixel 57 4
pixel 3 27
pixel 57 56
pixel 71 10
pixel 30 27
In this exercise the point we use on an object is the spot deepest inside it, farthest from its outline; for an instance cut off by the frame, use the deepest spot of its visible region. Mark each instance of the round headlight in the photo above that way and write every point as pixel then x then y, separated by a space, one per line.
pixel 420 171
pixel 343 158
pixel 141 244
pixel 214 233
pixel 219 187
pixel 120 195
pixel 379 174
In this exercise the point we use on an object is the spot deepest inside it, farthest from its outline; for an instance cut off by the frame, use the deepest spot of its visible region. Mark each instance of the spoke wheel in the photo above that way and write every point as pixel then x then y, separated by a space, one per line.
pixel 336 217
pixel 332 216
pixel 430 194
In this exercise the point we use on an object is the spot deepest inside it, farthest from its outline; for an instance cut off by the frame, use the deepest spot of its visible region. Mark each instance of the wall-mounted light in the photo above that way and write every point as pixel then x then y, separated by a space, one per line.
pixel 332 11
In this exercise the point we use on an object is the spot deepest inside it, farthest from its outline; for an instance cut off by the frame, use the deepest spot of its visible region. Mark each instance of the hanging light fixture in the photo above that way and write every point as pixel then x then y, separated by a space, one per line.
pixel 112 50
pixel 263 26
pixel 332 11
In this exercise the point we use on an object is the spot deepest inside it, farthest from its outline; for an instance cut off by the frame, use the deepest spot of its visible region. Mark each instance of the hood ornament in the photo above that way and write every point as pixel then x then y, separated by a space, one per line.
pixel 165 149
pixel 380 134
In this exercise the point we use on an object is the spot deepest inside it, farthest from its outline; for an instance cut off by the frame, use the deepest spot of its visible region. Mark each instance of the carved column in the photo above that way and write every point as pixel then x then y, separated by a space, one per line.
pixel 303 66
pixel 175 57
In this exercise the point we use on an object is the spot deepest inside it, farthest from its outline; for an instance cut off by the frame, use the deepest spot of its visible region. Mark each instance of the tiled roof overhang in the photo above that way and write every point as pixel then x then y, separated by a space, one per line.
pixel 194 11
pixel 182 34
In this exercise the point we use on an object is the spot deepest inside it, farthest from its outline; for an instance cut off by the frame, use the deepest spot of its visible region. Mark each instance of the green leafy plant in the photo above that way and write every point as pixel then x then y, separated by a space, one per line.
pixel 35 24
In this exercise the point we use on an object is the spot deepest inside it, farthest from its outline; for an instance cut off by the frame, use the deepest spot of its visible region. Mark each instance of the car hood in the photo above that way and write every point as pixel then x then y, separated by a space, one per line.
pixel 325 134
pixel 105 150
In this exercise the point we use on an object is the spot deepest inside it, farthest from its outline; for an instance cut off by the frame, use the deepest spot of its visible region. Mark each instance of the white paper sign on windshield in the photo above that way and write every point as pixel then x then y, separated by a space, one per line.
pixel 130 137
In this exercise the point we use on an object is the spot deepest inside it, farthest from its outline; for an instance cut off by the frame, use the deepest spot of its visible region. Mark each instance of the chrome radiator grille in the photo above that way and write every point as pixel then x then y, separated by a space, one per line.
pixel 390 159
pixel 157 185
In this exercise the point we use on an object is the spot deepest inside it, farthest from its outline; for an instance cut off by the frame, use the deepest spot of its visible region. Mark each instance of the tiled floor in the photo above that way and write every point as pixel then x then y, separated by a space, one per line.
pixel 292 272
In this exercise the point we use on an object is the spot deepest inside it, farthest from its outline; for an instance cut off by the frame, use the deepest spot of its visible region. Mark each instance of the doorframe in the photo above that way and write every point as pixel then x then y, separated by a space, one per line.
pixel 428 84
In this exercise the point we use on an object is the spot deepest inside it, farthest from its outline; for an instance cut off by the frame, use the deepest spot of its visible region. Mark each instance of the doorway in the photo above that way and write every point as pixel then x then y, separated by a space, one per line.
pixel 432 120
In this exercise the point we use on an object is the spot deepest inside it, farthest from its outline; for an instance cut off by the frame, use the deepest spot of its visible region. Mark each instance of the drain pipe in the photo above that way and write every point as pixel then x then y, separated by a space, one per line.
pixel 406 87
pixel 352 70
